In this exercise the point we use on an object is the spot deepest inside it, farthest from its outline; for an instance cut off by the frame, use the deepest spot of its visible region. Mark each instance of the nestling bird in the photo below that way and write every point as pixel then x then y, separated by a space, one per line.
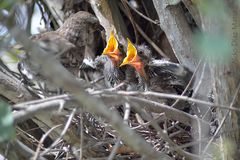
pixel 156 75
pixel 112 50
pixel 109 61
pixel 68 43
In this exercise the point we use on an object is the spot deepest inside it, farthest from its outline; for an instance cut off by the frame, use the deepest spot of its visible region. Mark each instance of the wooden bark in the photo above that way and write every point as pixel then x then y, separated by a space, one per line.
pixel 193 11
pixel 174 24
pixel 110 18
pixel 226 75
pixel 178 32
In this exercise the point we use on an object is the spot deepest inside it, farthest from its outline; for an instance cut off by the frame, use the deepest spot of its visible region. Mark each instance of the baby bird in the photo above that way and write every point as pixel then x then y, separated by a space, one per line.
pixel 156 75
pixel 109 61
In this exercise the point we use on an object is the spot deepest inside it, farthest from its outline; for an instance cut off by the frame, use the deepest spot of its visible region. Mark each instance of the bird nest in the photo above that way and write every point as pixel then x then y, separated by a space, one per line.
pixel 70 130
pixel 109 116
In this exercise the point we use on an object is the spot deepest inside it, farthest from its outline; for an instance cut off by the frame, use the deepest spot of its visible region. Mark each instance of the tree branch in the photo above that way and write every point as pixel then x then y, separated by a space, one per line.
pixel 178 32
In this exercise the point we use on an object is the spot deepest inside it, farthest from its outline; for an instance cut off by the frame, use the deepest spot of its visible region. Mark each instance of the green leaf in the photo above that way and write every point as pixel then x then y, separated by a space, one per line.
pixel 7 131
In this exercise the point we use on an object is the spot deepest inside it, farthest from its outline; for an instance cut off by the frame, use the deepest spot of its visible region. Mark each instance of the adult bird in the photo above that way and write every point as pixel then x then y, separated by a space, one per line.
pixel 70 43
pixel 156 75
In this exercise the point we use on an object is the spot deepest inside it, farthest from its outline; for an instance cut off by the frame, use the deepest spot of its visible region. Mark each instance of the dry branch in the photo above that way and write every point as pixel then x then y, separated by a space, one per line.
pixel 178 32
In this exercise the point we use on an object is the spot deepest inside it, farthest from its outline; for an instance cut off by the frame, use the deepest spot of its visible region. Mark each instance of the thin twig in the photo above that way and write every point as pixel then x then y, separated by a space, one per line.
pixel 115 88
pixel 81 136
pixel 159 50
pixel 129 15
pixel 148 39
pixel 200 80
pixel 142 15
pixel 114 149
pixel 96 80
pixel 163 134
pixel 25 150
pixel 62 133
pixel 189 83
pixel 164 95
pixel 66 97
pixel 117 144
pixel 158 119
pixel 199 137
pixel 42 12
pixel 42 140
pixel 34 108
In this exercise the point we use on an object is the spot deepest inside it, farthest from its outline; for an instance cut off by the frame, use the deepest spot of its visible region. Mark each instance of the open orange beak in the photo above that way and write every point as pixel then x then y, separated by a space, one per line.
pixel 134 60
pixel 111 50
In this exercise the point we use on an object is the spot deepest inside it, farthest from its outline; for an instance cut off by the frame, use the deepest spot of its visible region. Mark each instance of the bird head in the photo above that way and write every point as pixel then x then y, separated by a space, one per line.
pixel 134 60
pixel 112 51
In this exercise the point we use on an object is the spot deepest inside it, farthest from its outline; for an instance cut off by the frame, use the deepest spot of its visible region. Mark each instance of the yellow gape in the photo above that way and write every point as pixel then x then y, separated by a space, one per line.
pixel 111 50
pixel 134 60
